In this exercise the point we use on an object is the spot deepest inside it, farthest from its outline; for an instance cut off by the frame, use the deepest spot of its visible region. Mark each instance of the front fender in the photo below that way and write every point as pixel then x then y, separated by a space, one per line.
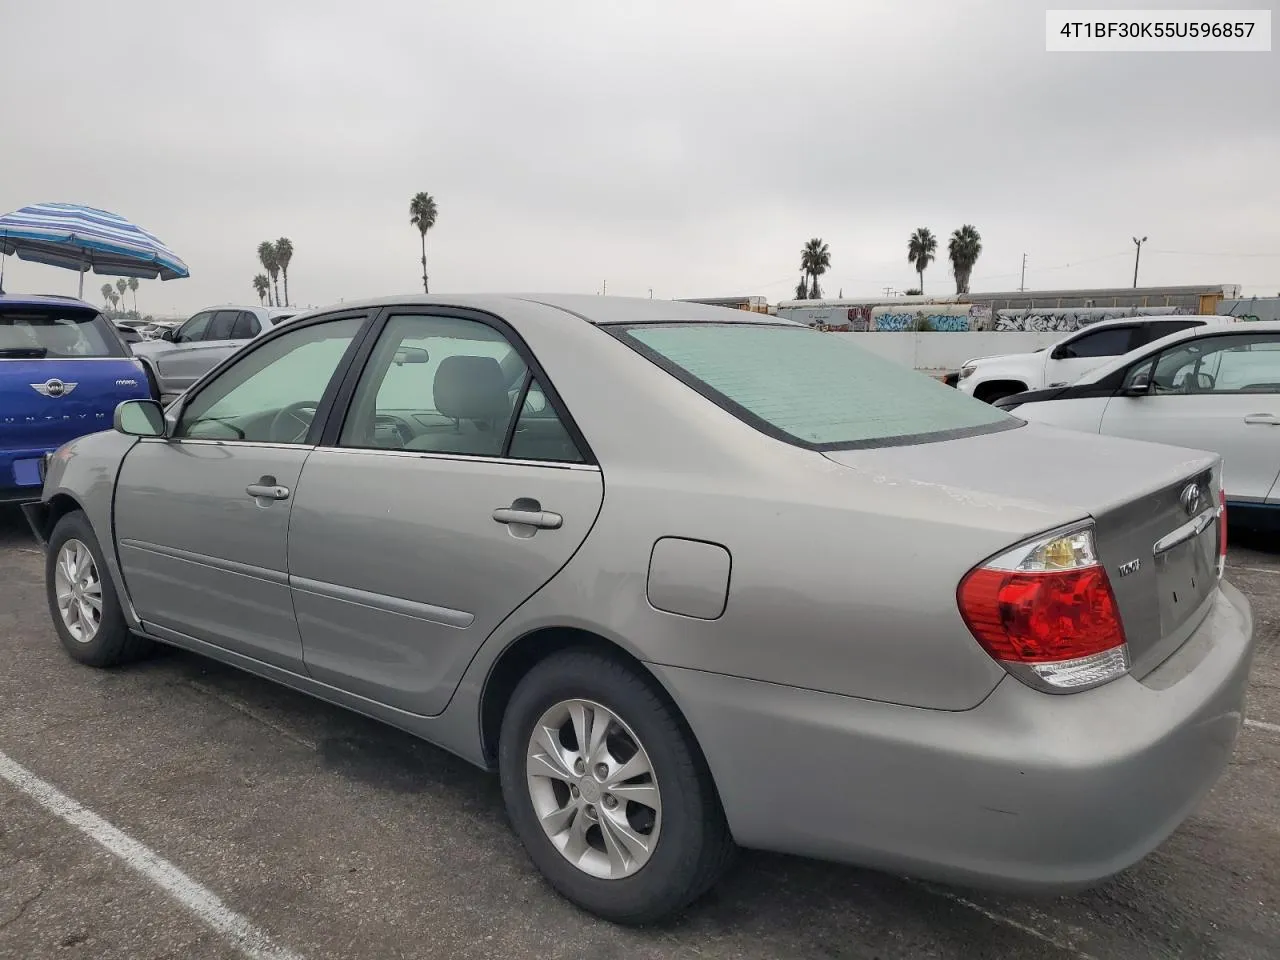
pixel 82 475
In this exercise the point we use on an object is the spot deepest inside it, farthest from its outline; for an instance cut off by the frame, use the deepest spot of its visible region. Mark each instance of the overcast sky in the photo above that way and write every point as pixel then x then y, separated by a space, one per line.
pixel 687 147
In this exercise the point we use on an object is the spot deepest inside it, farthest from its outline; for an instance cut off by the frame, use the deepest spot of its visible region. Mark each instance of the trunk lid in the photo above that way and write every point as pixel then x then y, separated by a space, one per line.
pixel 46 402
pixel 1157 541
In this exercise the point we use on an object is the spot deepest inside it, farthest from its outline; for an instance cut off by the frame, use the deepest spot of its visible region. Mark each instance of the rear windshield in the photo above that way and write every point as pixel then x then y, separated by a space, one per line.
pixel 49 332
pixel 814 389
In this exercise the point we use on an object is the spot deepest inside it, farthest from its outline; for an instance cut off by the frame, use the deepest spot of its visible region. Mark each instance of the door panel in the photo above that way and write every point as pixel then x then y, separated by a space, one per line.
pixel 203 557
pixel 400 571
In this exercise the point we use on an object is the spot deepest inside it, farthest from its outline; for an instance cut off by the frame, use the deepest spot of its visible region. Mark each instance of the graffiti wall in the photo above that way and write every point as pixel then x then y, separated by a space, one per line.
pixel 936 318
pixel 1067 319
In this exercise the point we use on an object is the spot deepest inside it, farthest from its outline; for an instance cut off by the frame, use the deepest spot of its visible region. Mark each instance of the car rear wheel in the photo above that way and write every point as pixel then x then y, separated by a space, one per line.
pixel 607 790
pixel 82 599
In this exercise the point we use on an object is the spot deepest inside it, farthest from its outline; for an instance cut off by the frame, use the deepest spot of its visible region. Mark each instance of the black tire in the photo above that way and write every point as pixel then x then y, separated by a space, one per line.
pixel 694 846
pixel 112 644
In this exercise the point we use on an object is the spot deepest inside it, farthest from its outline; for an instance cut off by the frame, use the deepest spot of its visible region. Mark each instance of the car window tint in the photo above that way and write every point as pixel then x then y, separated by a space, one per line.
pixel 50 333
pixel 1111 342
pixel 221 325
pixel 1225 364
pixel 439 384
pixel 193 330
pixel 819 389
pixel 540 434
pixel 246 326
pixel 270 394
pixel 1162 328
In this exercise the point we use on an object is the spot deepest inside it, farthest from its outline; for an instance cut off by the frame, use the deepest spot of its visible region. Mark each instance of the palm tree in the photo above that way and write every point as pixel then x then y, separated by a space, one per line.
pixel 262 287
pixel 920 250
pixel 284 253
pixel 815 258
pixel 114 297
pixel 106 294
pixel 267 257
pixel 964 249
pixel 422 214
pixel 802 288
pixel 122 285
pixel 133 288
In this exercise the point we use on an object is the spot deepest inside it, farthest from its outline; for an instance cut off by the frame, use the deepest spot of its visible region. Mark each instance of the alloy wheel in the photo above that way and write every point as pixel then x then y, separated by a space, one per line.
pixel 593 789
pixel 78 588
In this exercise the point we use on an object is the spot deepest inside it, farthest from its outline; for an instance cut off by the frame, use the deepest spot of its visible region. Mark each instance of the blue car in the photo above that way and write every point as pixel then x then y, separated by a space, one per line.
pixel 63 370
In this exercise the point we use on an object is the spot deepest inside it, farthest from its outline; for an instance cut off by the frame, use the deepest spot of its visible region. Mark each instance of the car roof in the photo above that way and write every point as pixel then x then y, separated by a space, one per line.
pixel 588 307
pixel 1235 325
pixel 43 300
pixel 1147 317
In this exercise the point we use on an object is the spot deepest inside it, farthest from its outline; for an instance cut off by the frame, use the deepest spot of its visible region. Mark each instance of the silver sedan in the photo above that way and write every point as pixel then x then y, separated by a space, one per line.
pixel 689 579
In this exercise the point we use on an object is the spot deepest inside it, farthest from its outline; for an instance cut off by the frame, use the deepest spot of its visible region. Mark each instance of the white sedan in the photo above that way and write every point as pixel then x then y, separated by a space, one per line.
pixel 1209 388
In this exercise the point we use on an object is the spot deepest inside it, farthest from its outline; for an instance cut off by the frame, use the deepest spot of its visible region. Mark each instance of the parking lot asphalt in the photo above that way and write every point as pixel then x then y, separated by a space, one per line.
pixel 253 821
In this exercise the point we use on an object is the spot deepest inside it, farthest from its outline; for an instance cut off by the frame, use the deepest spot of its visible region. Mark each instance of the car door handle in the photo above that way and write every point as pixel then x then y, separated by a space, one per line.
pixel 267 489
pixel 1265 419
pixel 542 519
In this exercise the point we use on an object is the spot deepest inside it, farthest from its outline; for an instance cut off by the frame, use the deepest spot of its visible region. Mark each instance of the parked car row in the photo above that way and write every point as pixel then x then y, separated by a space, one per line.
pixel 993 378
pixel 963 645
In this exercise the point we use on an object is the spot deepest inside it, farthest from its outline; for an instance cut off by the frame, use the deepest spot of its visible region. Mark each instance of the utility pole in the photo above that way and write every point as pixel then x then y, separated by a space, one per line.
pixel 651 293
pixel 1138 243
pixel 887 290
pixel 604 291
pixel 1022 284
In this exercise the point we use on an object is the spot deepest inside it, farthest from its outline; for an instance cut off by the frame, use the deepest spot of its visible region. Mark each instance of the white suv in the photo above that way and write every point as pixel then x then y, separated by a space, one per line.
pixel 1069 359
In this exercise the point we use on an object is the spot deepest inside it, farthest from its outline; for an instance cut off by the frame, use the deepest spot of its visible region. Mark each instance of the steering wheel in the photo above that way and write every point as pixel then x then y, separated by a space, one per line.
pixel 291 424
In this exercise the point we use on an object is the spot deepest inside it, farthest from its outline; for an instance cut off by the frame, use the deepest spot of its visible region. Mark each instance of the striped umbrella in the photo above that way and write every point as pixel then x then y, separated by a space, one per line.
pixel 82 238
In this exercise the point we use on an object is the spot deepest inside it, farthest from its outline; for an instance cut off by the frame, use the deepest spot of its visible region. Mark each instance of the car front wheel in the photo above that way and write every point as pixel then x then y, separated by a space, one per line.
pixel 82 599
pixel 607 791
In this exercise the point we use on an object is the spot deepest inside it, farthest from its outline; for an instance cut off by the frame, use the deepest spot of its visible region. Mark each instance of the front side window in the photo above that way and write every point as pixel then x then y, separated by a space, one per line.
pixel 246 326
pixel 1111 342
pixel 194 329
pixel 271 394
pixel 452 385
pixel 1225 364
pixel 54 333
pixel 818 390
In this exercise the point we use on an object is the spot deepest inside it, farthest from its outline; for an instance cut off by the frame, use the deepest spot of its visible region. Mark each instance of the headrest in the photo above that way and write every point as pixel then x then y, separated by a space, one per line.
pixel 471 388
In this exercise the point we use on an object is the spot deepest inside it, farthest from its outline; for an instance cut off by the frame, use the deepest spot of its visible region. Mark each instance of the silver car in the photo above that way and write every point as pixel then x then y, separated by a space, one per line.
pixel 181 355
pixel 687 578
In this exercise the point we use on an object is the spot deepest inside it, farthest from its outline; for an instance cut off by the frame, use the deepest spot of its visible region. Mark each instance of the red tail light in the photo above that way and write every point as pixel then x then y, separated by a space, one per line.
pixel 1046 611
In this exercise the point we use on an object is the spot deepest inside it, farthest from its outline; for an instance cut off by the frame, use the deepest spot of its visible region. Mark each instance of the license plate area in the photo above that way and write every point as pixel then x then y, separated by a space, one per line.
pixel 1185 574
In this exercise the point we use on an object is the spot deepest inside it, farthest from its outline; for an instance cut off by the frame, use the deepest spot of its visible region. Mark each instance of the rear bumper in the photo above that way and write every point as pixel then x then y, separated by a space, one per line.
pixel 1027 791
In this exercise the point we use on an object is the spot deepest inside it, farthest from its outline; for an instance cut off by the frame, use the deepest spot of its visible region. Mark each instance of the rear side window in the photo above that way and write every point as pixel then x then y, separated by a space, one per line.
pixel 55 333
pixel 817 390
pixel 1162 328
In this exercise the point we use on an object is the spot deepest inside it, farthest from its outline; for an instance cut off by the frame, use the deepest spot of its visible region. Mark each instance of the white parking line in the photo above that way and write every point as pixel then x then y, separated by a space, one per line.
pixel 201 901
pixel 1263 725
pixel 1000 918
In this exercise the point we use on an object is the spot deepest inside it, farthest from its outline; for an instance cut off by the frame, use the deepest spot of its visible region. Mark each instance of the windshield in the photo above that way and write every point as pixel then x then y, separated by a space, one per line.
pixel 818 390
pixel 56 333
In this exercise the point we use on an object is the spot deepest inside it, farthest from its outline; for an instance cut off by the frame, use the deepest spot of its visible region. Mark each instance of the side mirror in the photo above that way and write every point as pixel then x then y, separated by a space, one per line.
pixel 1062 352
pixel 411 355
pixel 166 333
pixel 1139 386
pixel 139 418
